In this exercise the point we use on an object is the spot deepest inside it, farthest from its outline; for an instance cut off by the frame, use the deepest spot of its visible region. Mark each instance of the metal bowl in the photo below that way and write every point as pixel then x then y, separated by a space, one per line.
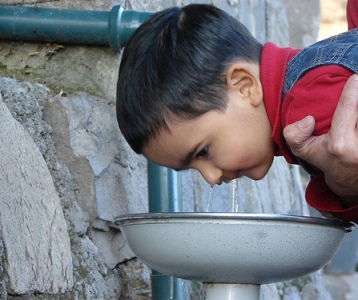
pixel 233 247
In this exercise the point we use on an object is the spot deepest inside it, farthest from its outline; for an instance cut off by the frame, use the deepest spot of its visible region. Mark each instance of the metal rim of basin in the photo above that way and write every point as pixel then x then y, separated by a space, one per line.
pixel 187 216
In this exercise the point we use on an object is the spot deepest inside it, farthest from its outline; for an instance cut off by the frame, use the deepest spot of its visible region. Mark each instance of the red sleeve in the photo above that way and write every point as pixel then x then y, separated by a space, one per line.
pixel 317 94
pixel 352 14
pixel 320 197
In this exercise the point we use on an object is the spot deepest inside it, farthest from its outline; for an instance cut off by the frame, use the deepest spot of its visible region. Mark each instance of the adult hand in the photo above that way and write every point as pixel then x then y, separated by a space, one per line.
pixel 335 153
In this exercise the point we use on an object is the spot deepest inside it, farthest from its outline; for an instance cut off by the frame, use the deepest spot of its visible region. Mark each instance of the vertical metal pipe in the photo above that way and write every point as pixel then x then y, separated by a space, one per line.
pixel 165 196
pixel 164 189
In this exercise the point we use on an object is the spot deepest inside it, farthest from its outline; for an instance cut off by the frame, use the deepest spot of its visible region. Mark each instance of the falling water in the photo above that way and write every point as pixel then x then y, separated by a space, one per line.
pixel 210 192
pixel 234 195
pixel 234 185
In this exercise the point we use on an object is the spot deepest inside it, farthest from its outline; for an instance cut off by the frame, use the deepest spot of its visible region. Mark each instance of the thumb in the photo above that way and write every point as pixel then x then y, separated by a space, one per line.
pixel 297 136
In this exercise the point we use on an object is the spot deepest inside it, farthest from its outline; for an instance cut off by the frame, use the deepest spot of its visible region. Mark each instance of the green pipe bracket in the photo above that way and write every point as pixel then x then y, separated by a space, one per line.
pixel 108 28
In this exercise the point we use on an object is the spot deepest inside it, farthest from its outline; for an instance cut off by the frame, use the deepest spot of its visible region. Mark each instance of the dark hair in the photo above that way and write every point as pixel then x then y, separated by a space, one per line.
pixel 175 63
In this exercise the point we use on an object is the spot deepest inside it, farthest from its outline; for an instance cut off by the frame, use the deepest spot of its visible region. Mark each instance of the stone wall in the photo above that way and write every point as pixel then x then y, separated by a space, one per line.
pixel 66 172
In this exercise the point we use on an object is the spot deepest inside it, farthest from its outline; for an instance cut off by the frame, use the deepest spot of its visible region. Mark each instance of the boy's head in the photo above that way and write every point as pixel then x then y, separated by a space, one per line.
pixel 175 63
pixel 174 70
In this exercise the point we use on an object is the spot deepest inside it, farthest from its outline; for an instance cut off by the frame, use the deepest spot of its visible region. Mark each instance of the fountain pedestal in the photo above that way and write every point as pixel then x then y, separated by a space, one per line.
pixel 216 291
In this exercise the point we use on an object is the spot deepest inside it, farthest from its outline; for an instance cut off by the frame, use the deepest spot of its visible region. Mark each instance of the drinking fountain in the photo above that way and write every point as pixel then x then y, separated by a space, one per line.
pixel 232 254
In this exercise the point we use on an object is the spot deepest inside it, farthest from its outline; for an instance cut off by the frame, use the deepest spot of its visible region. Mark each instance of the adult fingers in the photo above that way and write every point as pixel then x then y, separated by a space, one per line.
pixel 298 137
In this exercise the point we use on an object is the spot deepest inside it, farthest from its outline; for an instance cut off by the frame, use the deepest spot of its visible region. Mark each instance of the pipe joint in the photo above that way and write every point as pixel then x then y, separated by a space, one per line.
pixel 35 24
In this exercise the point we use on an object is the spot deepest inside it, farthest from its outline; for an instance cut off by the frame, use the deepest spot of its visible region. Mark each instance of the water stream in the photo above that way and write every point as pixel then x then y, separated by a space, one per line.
pixel 209 200
pixel 234 196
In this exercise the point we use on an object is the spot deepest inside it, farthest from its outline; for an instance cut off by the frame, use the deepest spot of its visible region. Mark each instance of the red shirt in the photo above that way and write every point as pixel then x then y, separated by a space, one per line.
pixel 317 94
pixel 352 14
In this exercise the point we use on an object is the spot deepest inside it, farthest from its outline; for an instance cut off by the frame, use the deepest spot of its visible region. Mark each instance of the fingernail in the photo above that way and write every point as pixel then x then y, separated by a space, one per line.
pixel 355 76
pixel 304 123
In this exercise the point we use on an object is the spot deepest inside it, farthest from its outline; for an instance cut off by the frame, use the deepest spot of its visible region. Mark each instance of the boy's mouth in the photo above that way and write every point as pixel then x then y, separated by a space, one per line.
pixel 227 180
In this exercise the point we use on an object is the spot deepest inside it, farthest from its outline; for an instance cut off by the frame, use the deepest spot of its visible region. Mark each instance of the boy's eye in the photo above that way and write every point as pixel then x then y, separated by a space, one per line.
pixel 204 152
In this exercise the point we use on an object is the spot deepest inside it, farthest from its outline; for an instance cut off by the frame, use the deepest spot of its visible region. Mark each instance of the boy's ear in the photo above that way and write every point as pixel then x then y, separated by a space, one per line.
pixel 244 79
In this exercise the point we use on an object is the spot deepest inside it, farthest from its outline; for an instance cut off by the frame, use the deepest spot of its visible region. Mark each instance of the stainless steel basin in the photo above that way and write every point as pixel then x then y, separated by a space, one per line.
pixel 233 247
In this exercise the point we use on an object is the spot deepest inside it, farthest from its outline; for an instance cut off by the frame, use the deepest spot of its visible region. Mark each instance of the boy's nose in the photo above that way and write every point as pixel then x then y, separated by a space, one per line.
pixel 211 174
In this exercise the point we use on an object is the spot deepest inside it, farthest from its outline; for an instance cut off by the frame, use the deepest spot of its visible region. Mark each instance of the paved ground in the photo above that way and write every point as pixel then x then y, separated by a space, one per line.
pixel 342 287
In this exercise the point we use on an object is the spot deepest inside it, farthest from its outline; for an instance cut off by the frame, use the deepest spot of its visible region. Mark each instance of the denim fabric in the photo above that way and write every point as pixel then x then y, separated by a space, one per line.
pixel 339 50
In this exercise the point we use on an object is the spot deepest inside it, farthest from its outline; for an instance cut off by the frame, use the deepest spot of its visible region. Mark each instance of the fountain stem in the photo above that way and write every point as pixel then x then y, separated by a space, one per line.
pixel 231 291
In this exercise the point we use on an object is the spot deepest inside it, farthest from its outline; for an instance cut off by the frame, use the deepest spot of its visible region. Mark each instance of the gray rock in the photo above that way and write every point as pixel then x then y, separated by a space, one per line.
pixel 32 223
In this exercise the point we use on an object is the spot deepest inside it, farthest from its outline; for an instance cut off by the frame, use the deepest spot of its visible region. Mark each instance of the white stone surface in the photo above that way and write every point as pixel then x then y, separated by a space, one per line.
pixel 32 224
pixel 119 174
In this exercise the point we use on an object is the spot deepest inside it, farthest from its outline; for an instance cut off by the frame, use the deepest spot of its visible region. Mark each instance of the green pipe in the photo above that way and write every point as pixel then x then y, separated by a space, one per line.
pixel 165 196
pixel 107 28
pixel 166 287
pixel 163 189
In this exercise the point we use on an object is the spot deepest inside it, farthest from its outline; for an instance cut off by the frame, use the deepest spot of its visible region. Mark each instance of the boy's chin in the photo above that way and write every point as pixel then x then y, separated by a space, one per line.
pixel 259 173
pixel 258 177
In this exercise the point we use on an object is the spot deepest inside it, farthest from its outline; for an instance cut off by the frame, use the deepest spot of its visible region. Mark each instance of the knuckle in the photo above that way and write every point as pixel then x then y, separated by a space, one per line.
pixel 345 151
pixel 337 148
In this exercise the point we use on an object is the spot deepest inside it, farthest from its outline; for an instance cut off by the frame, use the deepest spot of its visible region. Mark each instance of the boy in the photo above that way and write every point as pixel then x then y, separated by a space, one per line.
pixel 196 90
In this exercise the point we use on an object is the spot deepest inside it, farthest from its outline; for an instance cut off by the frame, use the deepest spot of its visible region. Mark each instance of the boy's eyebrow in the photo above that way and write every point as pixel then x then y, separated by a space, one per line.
pixel 189 157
